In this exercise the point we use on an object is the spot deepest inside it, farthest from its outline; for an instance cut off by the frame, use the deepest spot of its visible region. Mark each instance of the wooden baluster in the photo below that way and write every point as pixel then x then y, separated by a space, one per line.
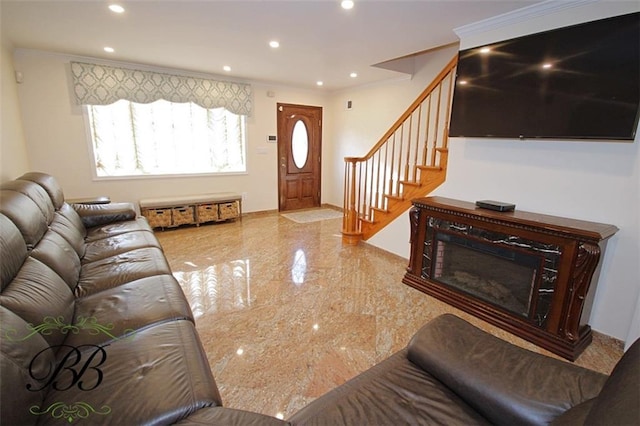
pixel 407 163
pixel 435 130
pixel 384 175
pixel 377 205
pixel 400 160
pixel 426 132
pixel 393 153
pixel 345 198
pixel 415 157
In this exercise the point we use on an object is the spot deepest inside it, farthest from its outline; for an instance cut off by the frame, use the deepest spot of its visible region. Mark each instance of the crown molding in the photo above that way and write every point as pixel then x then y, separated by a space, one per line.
pixel 520 15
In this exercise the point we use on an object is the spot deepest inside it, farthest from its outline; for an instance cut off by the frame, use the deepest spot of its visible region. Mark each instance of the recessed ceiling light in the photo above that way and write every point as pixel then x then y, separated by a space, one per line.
pixel 109 49
pixel 274 44
pixel 462 82
pixel 347 4
pixel 353 75
pixel 546 66
pixel 319 83
pixel 227 68
pixel 485 50
pixel 116 8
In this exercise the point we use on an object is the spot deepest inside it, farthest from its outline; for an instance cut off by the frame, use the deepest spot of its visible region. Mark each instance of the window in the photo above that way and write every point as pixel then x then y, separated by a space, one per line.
pixel 165 138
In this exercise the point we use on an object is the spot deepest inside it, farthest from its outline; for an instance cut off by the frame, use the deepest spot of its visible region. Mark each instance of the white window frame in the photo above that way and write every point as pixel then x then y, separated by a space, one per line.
pixel 96 177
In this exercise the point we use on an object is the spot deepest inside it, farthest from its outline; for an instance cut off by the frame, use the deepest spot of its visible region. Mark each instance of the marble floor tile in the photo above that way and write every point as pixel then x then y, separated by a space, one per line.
pixel 286 312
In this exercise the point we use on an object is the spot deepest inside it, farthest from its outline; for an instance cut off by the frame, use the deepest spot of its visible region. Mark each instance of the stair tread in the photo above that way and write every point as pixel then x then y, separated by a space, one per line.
pixel 378 209
pixel 411 182
pixel 438 168
pixel 395 197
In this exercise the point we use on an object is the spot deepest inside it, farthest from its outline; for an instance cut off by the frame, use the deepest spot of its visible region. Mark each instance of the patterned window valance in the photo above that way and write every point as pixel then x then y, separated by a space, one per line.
pixel 102 85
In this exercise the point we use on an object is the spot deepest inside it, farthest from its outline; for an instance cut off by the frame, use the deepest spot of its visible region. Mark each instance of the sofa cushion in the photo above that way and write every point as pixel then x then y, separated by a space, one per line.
pixel 507 384
pixel 35 192
pixel 221 416
pixel 619 401
pixel 68 230
pixel 117 244
pixel 74 219
pixel 39 296
pixel 123 268
pixel 135 305
pixel 56 252
pixel 25 214
pixel 393 392
pixel 49 184
pixel 155 376
pixel 575 416
pixel 109 230
pixel 13 249
pixel 25 359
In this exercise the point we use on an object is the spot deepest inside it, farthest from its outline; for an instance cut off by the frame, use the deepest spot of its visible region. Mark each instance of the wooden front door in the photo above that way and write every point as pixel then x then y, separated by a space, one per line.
pixel 299 149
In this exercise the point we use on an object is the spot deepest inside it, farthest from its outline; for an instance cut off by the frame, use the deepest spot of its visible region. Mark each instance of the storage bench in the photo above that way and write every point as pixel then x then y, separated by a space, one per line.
pixel 168 212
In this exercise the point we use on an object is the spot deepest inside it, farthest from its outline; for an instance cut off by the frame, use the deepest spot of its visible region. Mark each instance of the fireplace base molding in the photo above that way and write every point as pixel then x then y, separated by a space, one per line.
pixel 533 275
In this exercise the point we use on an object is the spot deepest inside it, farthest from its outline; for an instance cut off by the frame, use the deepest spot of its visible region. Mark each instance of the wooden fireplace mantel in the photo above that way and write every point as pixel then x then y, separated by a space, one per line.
pixel 569 253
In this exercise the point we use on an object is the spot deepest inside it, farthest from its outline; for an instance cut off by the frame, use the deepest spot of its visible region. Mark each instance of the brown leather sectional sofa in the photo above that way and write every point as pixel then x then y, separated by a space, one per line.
pixel 95 330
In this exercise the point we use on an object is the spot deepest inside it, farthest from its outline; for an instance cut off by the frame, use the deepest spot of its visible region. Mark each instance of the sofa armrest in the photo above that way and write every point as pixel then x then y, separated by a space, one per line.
pixel 102 199
pixel 505 383
pixel 221 416
pixel 102 214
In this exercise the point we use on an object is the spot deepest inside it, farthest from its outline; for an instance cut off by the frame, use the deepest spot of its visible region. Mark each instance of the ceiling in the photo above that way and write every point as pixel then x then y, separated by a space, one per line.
pixel 319 41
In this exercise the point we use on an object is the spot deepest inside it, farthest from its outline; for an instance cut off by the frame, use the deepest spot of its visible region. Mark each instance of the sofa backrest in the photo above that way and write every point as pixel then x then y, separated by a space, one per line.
pixel 42 242
pixel 619 400
pixel 49 183
pixel 25 214
pixel 34 301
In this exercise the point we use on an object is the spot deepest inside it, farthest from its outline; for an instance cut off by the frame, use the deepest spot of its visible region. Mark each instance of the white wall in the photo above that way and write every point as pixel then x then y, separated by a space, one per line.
pixel 596 181
pixel 13 153
pixel 57 140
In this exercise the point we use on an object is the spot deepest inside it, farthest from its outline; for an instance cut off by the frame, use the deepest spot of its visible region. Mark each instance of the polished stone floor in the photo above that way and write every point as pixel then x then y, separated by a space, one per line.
pixel 286 312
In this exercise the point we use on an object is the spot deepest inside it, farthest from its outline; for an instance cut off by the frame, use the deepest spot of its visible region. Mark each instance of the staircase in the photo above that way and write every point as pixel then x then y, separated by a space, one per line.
pixel 409 161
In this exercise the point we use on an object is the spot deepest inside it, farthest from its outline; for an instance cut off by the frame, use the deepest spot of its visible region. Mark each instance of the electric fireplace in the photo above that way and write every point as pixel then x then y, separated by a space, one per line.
pixel 533 275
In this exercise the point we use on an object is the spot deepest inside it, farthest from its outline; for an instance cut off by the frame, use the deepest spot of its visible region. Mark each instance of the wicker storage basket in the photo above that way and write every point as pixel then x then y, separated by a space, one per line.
pixel 183 215
pixel 207 213
pixel 228 210
pixel 158 218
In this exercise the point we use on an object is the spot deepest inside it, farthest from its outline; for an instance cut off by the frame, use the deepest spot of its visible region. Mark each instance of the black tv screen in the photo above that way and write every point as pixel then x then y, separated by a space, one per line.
pixel 578 82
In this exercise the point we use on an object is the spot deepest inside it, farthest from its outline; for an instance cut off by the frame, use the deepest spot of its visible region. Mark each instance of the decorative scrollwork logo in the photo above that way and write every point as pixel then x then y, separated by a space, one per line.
pixel 70 413
pixel 49 324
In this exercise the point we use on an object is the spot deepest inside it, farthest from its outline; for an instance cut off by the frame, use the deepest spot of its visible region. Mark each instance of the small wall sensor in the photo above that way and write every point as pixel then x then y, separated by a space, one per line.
pixel 272 138
pixel 19 77
pixel 349 105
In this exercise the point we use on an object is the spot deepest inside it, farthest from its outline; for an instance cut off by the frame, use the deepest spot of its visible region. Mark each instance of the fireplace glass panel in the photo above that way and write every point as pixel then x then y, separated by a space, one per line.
pixel 503 276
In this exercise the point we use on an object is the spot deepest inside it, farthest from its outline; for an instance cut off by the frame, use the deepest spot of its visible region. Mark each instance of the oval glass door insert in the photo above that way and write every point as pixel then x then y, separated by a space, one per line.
pixel 300 144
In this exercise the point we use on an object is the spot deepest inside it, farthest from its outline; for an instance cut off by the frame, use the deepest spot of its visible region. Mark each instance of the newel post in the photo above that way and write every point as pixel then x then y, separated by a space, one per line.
pixel 351 234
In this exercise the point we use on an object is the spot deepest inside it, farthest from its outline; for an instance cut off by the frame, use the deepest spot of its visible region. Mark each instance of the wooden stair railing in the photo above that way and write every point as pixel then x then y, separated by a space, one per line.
pixel 409 161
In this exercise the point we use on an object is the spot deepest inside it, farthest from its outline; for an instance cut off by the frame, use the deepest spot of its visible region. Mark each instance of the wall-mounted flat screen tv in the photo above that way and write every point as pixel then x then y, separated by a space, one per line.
pixel 578 82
